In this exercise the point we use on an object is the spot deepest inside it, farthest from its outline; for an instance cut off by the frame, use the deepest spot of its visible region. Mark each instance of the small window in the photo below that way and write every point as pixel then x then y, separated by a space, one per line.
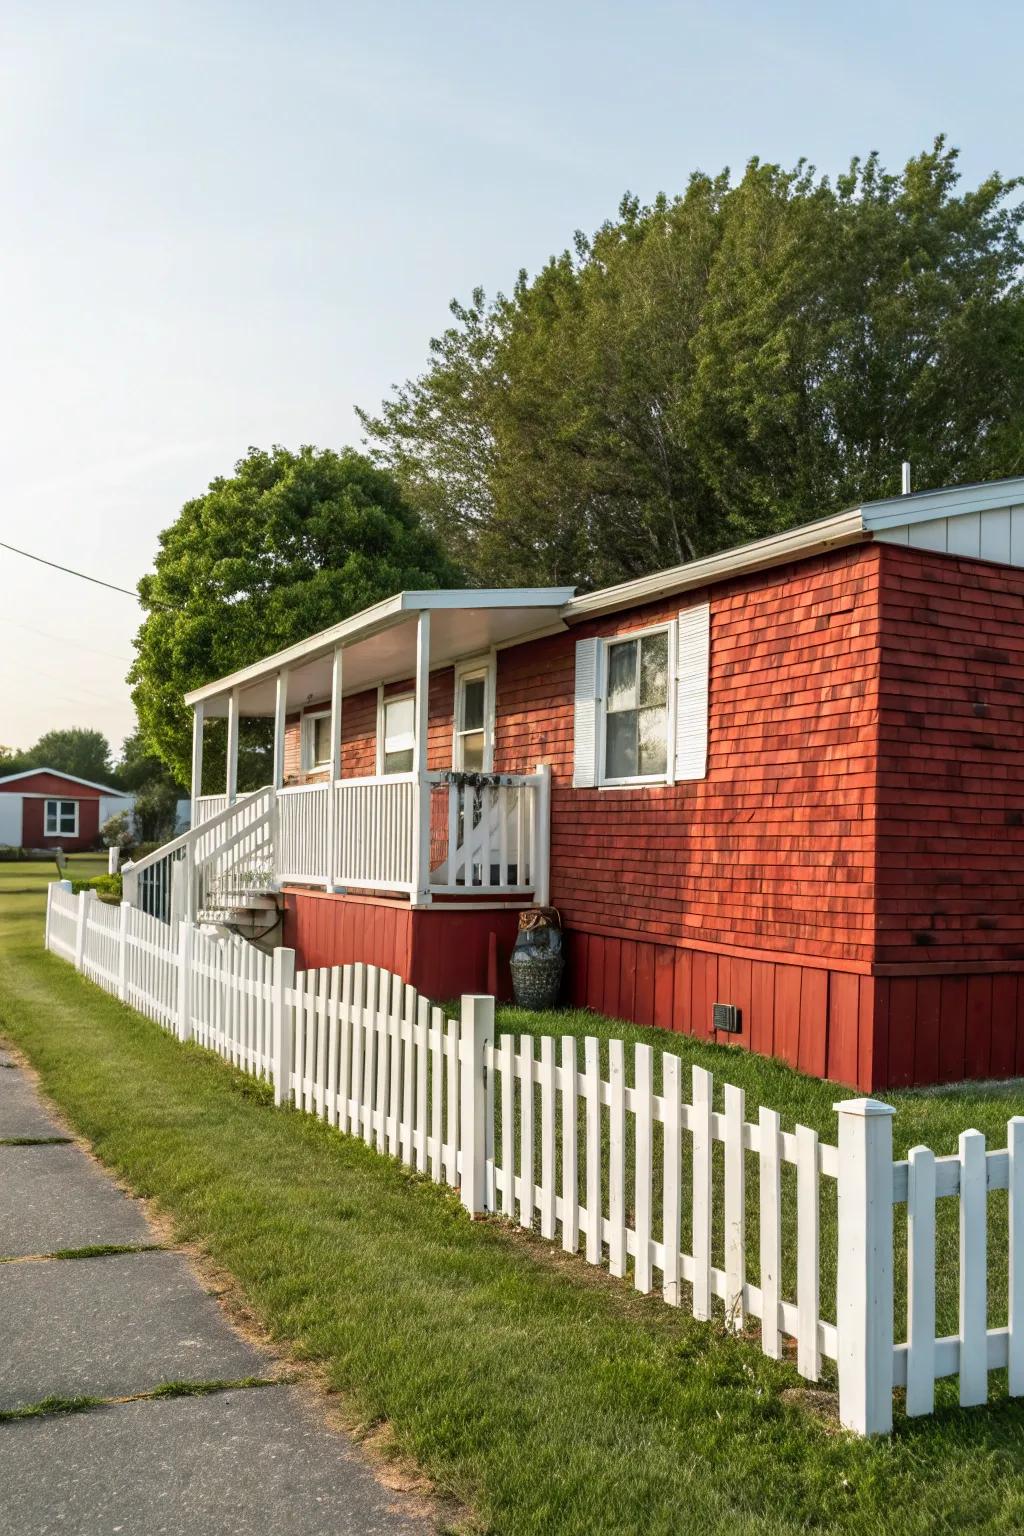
pixel 398 734
pixel 316 741
pixel 62 818
pixel 636 708
pixel 472 742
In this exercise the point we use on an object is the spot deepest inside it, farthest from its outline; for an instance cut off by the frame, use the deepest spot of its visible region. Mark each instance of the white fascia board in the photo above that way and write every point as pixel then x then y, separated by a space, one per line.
pixel 382 616
pixel 488 597
pixel 794 544
pixel 953 501
pixel 58 773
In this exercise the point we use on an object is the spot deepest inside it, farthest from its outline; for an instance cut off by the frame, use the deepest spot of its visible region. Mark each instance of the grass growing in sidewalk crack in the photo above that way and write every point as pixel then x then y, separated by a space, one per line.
pixel 93 1251
pixel 53 1406
pixel 34 1141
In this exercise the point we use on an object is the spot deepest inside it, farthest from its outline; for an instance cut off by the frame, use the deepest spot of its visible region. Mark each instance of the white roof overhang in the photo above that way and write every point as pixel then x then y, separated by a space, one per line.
pixel 380 645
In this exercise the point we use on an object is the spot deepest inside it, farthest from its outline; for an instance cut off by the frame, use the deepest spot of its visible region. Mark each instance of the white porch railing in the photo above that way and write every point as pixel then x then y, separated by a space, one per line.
pixel 418 836
pixel 443 832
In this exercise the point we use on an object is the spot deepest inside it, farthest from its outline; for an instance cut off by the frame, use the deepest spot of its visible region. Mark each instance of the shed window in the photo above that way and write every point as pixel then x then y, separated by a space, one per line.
pixel 636 727
pixel 61 818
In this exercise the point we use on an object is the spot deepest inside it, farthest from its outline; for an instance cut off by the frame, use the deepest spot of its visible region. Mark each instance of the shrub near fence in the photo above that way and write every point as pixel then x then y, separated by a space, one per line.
pixel 633 1172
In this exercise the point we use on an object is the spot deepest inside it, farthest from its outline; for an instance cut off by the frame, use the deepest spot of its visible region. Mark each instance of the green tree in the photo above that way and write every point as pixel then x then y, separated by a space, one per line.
pixel 79 751
pixel 291 543
pixel 718 366
pixel 154 786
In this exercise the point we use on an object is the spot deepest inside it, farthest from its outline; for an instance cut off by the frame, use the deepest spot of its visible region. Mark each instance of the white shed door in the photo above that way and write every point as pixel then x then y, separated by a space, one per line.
pixel 10 821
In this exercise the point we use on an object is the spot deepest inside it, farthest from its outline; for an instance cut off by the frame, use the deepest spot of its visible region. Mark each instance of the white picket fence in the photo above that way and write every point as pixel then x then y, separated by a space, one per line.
pixel 632 1172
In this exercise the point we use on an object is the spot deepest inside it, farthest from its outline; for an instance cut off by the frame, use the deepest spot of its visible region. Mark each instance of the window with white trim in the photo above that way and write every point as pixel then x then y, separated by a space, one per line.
pixel 316 741
pixel 636 724
pixel 61 818
pixel 472 746
pixel 397 734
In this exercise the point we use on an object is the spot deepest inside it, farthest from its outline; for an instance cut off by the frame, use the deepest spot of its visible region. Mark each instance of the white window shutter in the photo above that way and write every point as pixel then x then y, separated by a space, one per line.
pixel 693 655
pixel 584 741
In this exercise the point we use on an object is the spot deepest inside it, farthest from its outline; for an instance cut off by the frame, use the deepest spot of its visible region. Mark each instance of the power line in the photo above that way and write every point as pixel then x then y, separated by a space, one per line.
pixel 126 591
pixel 66 639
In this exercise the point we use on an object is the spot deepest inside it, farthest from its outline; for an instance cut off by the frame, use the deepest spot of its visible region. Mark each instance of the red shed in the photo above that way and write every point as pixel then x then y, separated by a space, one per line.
pixel 46 808
pixel 786 778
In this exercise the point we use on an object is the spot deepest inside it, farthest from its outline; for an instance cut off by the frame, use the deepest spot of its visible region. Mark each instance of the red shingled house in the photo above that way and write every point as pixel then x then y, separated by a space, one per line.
pixel 788 777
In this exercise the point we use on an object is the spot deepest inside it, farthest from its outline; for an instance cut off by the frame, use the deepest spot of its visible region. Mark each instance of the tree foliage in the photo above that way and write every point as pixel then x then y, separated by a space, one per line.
pixel 291 543
pixel 79 751
pixel 718 366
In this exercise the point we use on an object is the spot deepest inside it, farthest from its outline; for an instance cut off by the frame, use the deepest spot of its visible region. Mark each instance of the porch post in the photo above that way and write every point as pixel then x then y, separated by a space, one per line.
pixel 280 712
pixel 198 715
pixel 421 803
pixel 231 786
pixel 335 773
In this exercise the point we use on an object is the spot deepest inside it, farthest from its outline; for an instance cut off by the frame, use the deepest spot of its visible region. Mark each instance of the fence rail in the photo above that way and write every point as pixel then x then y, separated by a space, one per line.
pixel 604 1151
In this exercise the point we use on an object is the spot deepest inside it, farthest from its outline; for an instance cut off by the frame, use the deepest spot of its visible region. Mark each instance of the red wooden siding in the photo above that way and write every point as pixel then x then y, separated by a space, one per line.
pixel 443 953
pixel 359 730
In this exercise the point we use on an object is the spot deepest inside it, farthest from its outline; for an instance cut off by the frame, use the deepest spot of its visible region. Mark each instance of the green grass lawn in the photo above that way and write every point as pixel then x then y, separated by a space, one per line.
pixel 541 1394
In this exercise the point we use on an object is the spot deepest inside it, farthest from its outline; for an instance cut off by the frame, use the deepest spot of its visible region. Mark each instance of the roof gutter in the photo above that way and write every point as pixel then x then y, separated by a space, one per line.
pixel 794 544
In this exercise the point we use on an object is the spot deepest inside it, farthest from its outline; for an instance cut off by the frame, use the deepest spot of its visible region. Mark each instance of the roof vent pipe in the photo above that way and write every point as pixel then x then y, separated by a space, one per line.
pixel 906 477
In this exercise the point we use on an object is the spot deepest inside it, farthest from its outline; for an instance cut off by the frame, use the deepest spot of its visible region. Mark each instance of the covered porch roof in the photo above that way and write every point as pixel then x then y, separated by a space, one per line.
pixel 380 645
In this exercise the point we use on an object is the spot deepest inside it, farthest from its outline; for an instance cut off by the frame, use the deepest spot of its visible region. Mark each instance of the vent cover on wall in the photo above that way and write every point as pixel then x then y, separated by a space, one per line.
pixel 726 1017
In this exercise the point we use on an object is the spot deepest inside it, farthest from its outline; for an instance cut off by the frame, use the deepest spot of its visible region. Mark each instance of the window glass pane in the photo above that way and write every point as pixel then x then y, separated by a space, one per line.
pixel 622 676
pixel 654 669
pixel 474 690
pixel 399 717
pixel 322 740
pixel 398 762
pixel 473 752
pixel 51 815
pixel 620 745
pixel 653 733
pixel 67 808
pixel 67 822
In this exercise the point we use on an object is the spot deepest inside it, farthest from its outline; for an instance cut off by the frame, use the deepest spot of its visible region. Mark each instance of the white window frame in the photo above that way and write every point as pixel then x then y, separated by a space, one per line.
pixel 475 666
pixel 640 780
pixel 309 763
pixel 57 831
pixel 383 700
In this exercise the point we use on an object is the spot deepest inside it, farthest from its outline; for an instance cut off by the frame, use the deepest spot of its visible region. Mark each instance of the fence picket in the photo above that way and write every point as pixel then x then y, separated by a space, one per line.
pixel 436 1092
pixel 735 1208
pixel 770 1203
pixel 616 1158
pixel 643 1119
pixel 506 1054
pixel 394 1089
pixel 700 1111
pixel 526 1192
pixel 920 1281
pixel 672 1179
pixel 422 1127
pixel 570 1165
pixel 547 1136
pixel 451 1151
pixel 808 1359
pixel 973 1270
pixel 407 1115
pixel 1015 1237
pixel 592 1093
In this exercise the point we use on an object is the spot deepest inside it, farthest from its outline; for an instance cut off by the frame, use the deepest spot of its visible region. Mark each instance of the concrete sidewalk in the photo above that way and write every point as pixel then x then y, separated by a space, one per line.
pixel 239 1460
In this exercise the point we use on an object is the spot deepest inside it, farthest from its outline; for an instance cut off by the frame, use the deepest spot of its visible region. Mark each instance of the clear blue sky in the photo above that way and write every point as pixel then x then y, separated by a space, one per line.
pixel 227 224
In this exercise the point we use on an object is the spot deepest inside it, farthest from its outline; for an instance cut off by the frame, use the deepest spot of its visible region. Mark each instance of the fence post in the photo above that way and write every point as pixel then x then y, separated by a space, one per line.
pixel 283 1023
pixel 184 981
pixel 476 1035
pixel 83 897
pixel 122 953
pixel 113 859
pixel 864 1296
